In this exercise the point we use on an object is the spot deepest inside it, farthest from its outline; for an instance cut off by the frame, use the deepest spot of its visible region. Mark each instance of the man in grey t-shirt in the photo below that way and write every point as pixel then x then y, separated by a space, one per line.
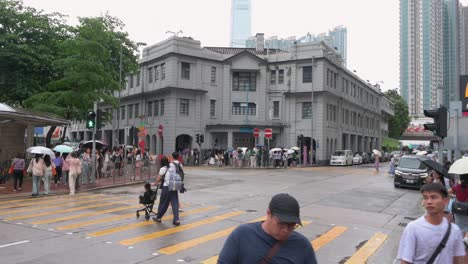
pixel 421 237
pixel 250 243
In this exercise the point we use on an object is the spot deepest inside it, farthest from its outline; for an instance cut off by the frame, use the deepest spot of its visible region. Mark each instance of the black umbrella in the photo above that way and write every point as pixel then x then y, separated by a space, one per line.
pixel 437 167
pixel 89 144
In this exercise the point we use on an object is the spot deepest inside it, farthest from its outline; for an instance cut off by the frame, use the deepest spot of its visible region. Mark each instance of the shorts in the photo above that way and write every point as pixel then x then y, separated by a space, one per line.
pixel 118 165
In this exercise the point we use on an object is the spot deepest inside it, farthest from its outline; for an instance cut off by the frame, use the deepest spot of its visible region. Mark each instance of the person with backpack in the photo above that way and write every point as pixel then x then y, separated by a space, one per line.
pixel 169 191
pixel 180 171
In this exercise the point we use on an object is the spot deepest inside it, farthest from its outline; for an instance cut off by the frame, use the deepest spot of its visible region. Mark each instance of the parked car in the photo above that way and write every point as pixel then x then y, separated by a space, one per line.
pixel 411 172
pixel 372 158
pixel 342 157
pixel 365 157
pixel 357 159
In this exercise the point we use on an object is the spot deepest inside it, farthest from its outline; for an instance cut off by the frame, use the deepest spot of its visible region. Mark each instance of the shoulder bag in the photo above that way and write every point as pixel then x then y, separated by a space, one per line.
pixel 271 253
pixel 441 246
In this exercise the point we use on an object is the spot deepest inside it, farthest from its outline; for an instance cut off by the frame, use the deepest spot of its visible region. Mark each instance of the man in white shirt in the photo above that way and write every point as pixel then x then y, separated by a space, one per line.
pixel 421 237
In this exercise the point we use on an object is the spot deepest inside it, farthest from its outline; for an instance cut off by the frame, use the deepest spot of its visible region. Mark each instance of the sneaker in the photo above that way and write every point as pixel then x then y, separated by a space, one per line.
pixel 20 189
pixel 14 190
pixel 158 220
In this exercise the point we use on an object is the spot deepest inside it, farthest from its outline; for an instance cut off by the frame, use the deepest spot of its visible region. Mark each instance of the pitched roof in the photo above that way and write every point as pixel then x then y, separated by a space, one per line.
pixel 234 51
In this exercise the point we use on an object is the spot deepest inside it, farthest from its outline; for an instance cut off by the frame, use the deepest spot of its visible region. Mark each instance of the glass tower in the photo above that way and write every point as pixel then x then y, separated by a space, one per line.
pixel 452 49
pixel 240 22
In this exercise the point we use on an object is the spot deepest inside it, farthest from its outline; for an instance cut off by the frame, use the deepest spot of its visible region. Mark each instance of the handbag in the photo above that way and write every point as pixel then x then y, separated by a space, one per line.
pixel 460 208
pixel 10 171
pixel 271 253
pixel 441 246
pixel 54 171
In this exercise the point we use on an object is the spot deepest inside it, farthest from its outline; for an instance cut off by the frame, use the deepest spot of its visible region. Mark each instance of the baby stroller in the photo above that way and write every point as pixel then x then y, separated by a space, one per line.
pixel 148 200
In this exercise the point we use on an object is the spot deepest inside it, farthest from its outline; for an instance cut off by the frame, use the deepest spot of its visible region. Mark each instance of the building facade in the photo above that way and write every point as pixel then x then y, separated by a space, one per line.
pixel 241 12
pixel 224 93
pixel 431 52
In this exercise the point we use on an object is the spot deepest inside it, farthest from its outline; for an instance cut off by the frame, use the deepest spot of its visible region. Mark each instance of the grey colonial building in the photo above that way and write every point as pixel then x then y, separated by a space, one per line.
pixel 223 93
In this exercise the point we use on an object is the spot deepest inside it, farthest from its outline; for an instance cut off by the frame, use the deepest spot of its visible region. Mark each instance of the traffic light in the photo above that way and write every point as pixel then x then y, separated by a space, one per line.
pixel 91 120
pixel 439 127
pixel 197 138
pixel 100 120
pixel 202 138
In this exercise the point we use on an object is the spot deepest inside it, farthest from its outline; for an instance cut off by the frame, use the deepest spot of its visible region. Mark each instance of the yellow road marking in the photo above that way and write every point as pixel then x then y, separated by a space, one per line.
pixel 212 260
pixel 368 249
pixel 52 199
pixel 102 220
pixel 22 210
pixel 62 211
pixel 70 217
pixel 181 228
pixel 41 198
pixel 145 223
pixel 203 239
pixel 328 237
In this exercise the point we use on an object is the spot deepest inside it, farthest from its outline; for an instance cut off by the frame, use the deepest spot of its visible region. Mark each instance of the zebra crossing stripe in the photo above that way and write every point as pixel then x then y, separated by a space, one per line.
pixel 170 231
pixel 328 237
pixel 70 217
pixel 42 198
pixel 368 249
pixel 214 259
pixel 48 201
pixel 145 223
pixel 69 210
pixel 22 210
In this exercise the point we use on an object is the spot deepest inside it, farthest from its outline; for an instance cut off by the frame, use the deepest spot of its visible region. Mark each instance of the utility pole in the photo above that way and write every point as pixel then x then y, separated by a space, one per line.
pixel 312 114
pixel 93 170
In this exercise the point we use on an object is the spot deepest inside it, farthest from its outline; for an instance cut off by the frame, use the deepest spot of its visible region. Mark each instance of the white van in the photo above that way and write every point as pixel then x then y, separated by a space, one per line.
pixel 342 157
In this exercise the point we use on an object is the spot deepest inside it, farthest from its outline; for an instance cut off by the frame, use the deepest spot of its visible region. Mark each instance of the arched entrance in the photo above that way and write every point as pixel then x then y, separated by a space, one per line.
pixel 153 144
pixel 182 142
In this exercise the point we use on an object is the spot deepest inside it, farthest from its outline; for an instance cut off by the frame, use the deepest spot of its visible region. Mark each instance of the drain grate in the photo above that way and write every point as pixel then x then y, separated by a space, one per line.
pixel 410 218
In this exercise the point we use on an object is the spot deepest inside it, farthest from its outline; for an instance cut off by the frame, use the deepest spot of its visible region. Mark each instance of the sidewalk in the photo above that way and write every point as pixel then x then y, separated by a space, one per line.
pixel 150 172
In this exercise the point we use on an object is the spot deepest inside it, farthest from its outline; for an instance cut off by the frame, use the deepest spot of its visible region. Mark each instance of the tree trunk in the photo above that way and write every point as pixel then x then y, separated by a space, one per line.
pixel 49 136
pixel 62 139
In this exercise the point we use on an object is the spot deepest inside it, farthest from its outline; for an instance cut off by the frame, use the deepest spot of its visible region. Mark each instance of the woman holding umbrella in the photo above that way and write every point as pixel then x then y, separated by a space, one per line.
pixel 37 169
pixel 460 207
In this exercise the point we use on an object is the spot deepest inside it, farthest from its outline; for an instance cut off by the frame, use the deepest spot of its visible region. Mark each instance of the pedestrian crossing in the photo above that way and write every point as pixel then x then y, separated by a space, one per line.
pixel 111 217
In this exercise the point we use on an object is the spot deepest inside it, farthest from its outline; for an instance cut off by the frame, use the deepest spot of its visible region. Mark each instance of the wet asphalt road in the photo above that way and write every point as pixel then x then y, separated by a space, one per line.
pixel 352 215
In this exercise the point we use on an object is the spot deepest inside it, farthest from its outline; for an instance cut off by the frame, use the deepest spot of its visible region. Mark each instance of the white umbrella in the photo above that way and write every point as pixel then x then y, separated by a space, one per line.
pixel 275 149
pixel 296 148
pixel 63 149
pixel 460 166
pixel 41 150
pixel 421 153
pixel 377 153
pixel 290 151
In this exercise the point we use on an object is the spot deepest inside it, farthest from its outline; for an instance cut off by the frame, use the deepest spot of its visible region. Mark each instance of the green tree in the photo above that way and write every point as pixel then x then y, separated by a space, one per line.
pixel 89 69
pixel 29 43
pixel 400 121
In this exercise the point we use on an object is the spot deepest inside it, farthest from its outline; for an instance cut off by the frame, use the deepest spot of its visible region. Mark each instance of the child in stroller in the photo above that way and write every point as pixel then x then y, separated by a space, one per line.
pixel 147 199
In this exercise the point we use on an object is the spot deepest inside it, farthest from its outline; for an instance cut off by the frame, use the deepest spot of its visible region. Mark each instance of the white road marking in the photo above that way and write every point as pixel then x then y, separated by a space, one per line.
pixel 14 243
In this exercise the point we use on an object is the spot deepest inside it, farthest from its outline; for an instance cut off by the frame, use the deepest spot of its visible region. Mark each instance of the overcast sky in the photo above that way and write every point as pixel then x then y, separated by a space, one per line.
pixel 373 29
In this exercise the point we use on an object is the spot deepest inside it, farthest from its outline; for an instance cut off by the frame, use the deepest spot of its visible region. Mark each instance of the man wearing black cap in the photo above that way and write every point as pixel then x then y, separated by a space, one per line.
pixel 271 241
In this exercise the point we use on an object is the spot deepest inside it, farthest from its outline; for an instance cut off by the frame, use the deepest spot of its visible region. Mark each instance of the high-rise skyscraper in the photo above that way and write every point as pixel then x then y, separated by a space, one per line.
pixel 240 22
pixel 430 52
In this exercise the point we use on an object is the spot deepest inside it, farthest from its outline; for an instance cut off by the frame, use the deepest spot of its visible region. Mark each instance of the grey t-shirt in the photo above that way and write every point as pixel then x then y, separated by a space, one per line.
pixel 421 238
pixel 249 243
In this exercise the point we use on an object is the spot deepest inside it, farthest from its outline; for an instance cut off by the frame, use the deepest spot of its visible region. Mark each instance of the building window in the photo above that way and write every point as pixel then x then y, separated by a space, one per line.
pixel 156 108
pixel 212 108
pixel 306 110
pixel 273 77
pixel 130 111
pixel 163 71
pixel 244 81
pixel 184 107
pixel 150 74
pixel 281 76
pixel 150 109
pixel 156 73
pixel 307 74
pixel 213 75
pixel 276 109
pixel 162 106
pixel 328 77
pixel 130 81
pixel 185 71
pixel 138 76
pixel 244 109
pixel 137 110
pixel 123 112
